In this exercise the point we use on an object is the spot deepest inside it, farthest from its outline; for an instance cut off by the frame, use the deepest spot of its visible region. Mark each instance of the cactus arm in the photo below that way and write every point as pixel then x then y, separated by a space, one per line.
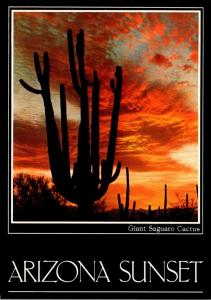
pixel 103 171
pixel 107 164
pixel 116 173
pixel 105 179
pixel 38 69
pixel 29 88
pixel 46 70
pixel 83 139
pixel 64 126
pixel 72 64
pixel 102 190
pixel 55 153
pixel 54 147
pixel 43 78
pixel 83 159
pixel 95 129
pixel 117 90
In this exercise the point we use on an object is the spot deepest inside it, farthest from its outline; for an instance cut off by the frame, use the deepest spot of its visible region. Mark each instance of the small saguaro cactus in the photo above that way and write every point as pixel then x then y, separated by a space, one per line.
pixel 134 207
pixel 124 210
pixel 149 210
pixel 159 212
pixel 197 190
pixel 165 200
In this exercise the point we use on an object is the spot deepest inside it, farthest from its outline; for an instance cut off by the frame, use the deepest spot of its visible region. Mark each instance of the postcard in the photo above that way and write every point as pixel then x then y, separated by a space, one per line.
pixel 105 151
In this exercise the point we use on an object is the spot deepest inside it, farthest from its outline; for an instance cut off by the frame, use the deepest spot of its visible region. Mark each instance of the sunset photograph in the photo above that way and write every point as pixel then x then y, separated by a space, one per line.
pixel 106 115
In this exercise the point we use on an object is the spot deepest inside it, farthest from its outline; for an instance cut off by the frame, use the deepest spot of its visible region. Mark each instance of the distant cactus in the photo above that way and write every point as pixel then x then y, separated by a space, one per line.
pixel 197 190
pixel 165 200
pixel 85 186
pixel 149 210
pixel 124 210
pixel 159 212
pixel 134 207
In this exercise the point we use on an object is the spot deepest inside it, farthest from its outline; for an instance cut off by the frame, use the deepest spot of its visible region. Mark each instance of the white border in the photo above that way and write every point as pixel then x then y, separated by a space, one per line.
pixel 199 10
pixel 107 292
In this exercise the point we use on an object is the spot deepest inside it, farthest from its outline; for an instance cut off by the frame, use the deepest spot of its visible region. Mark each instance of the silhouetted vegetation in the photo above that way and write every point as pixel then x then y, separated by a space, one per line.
pixel 165 200
pixel 175 214
pixel 85 185
pixel 36 199
pixel 124 209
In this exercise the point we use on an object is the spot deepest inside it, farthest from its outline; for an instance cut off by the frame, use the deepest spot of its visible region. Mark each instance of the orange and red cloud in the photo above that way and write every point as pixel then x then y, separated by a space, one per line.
pixel 158 125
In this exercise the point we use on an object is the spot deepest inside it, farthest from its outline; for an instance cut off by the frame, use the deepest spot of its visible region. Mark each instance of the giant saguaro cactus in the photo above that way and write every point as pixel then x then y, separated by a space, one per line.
pixel 85 185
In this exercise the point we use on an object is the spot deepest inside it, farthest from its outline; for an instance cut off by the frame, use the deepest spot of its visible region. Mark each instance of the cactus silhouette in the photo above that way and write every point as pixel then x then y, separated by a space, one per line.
pixel 197 190
pixel 124 210
pixel 86 185
pixel 159 212
pixel 149 210
pixel 165 200
pixel 134 207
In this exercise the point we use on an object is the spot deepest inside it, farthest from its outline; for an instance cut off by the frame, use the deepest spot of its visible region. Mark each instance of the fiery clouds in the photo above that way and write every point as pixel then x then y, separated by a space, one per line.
pixel 158 126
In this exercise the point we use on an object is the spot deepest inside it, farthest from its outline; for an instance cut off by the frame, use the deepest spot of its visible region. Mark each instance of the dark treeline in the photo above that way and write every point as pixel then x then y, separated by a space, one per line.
pixel 36 199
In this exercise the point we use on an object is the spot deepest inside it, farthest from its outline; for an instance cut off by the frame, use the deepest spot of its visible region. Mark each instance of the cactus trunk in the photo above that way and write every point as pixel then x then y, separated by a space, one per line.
pixel 149 210
pixel 197 190
pixel 134 207
pixel 159 212
pixel 124 210
pixel 165 200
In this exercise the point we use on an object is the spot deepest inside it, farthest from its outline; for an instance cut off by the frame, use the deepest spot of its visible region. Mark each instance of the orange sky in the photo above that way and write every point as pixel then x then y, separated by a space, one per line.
pixel 158 125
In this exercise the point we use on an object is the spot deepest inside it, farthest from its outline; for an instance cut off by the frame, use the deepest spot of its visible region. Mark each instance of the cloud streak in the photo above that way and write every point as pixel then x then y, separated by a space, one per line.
pixel 158 126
